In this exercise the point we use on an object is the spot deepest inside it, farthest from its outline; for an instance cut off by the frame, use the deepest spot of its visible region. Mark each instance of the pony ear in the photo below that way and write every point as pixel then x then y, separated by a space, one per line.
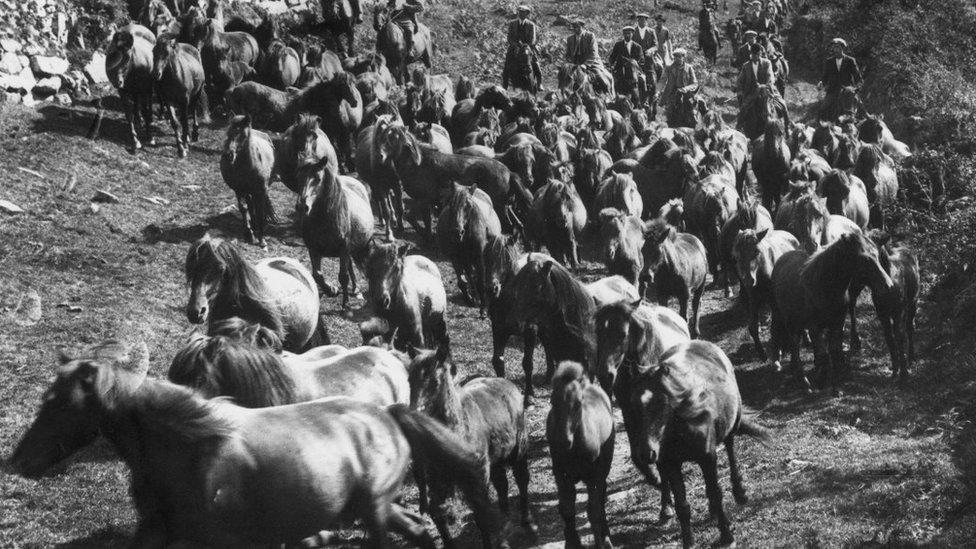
pixel 473 188
pixel 761 235
pixel 547 268
pixel 636 304
pixel 246 121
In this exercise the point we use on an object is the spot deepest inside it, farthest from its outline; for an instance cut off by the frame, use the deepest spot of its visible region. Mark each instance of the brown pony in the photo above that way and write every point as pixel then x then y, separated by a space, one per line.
pixel 768 107
pixel 216 45
pixel 279 66
pixel 485 412
pixel 129 65
pixel 810 292
pixel 560 220
pixel 339 18
pixel 845 195
pixel 381 178
pixel 619 191
pixel 677 265
pixel 622 238
pixel 804 214
pixel 346 459
pixel 876 169
pixel 580 432
pixel 303 144
pixel 336 222
pixel 755 253
pixel 391 43
pixel 246 166
pixel 749 214
pixel 709 205
pixel 466 223
pixel 178 74
pixel 683 409
pixel 896 309
pixel 771 163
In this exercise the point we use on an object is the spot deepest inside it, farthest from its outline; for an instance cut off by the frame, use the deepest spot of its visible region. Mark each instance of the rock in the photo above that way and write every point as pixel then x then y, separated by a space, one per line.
pixel 9 207
pixel 10 64
pixel 95 69
pixel 9 45
pixel 22 82
pixel 47 86
pixel 105 197
pixel 49 65
pixel 63 99
pixel 28 311
pixel 11 97
pixel 69 307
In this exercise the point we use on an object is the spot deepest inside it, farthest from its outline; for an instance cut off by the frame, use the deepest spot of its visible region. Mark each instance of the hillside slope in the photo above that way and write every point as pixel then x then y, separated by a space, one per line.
pixel 872 464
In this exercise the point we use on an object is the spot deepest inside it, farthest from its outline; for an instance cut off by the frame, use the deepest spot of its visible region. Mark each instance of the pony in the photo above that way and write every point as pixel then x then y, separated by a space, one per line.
pixel 278 292
pixel 836 146
pixel 560 220
pixel 681 411
pixel 755 253
pixel 320 66
pixel 503 260
pixel 407 292
pixel 580 431
pixel 810 292
pixel 256 376
pixel 768 107
pixel 808 165
pixel 804 214
pixel 372 87
pixel 436 108
pixel 847 103
pixel 873 130
pixel 663 180
pixel 466 223
pixel 771 163
pixel 381 178
pixel 687 110
pixel 547 295
pixel 339 19
pixel 845 195
pixel 630 83
pixel 464 89
pixel 156 16
pixel 620 137
pixel 532 162
pixel 586 80
pixel 677 265
pixel 749 214
pixel 485 412
pixel 340 106
pixel 246 165
pixel 521 73
pixel 467 113
pixel 876 170
pixel 303 144
pixel 129 66
pixel 709 39
pixel 390 41
pixel 709 204
pixel 216 45
pixel 619 191
pixel 323 452
pixel 336 221
pixel 897 308
pixel 673 213
pixel 178 75
pixel 278 65
pixel 622 238
pixel 592 167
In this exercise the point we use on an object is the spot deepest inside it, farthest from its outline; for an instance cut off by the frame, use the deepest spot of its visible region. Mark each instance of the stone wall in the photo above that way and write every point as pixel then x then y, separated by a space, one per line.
pixel 33 65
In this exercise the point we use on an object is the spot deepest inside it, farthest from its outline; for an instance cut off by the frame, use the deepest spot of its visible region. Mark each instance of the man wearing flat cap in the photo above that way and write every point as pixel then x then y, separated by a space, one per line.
pixel 521 33
pixel 581 46
pixel 840 71
pixel 645 38
pixel 679 78
pixel 625 49
pixel 757 71
pixel 663 37
pixel 742 54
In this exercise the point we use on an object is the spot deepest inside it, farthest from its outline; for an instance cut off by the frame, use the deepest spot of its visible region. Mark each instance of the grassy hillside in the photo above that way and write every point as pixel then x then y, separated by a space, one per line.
pixel 873 464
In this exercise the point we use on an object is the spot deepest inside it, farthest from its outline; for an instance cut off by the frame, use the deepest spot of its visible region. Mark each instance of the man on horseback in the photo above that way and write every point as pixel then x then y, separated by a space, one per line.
pixel 756 72
pixel 742 56
pixel 624 50
pixel 521 33
pixel 840 71
pixel 581 46
pixel 645 38
pixel 404 13
pixel 679 78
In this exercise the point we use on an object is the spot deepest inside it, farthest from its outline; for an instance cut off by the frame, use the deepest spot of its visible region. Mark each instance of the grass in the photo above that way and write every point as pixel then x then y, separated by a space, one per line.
pixel 872 464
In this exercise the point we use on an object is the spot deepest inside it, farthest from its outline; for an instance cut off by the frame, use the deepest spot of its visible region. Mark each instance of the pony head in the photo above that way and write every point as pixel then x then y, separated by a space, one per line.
pixel 384 268
pixel 618 335
pixel 745 252
pixel 314 179
pixel 238 132
pixel 431 374
pixel 68 419
pixel 567 403
pixel 657 233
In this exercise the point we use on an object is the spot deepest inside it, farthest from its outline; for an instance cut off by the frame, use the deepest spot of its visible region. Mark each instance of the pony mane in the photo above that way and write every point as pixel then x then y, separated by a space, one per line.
pixel 574 304
pixel 243 291
pixel 807 208
pixel 253 376
pixel 306 124
pixel 821 269
pixel 176 412
pixel 748 213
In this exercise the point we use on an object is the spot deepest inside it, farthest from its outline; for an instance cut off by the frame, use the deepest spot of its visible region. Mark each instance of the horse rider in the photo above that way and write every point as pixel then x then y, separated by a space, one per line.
pixel 764 24
pixel 840 71
pixel 521 32
pixel 663 37
pixel 645 38
pixel 404 13
pixel 755 72
pixel 742 54
pixel 679 77
pixel 625 48
pixel 581 46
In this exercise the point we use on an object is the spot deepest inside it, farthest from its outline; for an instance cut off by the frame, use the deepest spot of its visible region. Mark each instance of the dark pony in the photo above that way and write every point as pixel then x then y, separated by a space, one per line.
pixel 521 73
pixel 768 106
pixel 466 223
pixel 709 39
pixel 549 296
pixel 339 19
pixel 771 163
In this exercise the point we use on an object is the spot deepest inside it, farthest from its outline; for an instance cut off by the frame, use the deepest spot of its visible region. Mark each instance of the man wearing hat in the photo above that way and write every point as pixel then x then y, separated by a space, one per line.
pixel 742 54
pixel 663 38
pixel 678 78
pixel 645 38
pixel 404 13
pixel 763 24
pixel 624 49
pixel 757 71
pixel 840 71
pixel 521 32
pixel 581 46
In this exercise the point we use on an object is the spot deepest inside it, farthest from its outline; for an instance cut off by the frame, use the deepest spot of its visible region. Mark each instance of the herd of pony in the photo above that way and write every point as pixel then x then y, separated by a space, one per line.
pixel 525 186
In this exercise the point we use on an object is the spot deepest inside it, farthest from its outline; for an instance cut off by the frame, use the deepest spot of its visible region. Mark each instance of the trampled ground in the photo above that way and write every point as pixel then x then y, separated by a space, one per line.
pixel 871 464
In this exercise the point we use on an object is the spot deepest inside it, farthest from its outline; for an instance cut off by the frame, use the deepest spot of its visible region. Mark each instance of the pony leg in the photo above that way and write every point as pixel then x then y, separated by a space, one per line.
pixel 315 259
pixel 481 275
pixel 130 118
pixel 673 472
pixel 753 303
pixel 909 319
pixel 192 111
pixel 667 501
pixel 529 337
pixel 835 353
pixel 888 331
pixel 259 218
pixel 438 512
pixel 376 524
pixel 184 112
pixel 499 337
pixel 596 511
pixel 713 490
pixel 245 210
pixel 147 120
pixel 695 310
pixel 499 479
pixel 683 311
pixel 567 510
pixel 852 295
pixel 344 277
pixel 410 527
pixel 461 279
pixel 520 470
pixel 175 124
pixel 420 478
pixel 738 490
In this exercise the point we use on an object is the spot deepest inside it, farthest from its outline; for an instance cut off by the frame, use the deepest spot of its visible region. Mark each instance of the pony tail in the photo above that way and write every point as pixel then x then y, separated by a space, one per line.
pixel 749 427
pixel 269 210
